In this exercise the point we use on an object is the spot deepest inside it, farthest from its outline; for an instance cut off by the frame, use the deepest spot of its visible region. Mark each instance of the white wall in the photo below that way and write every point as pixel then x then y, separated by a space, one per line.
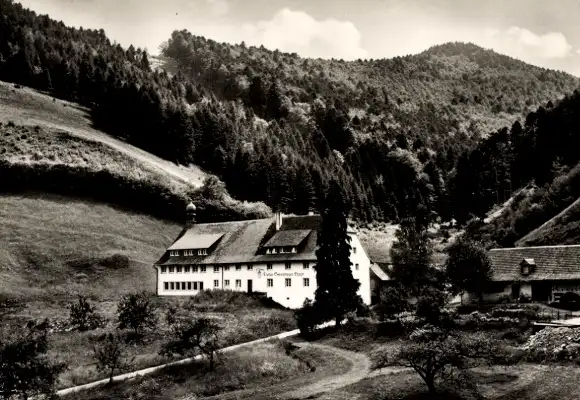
pixel 291 297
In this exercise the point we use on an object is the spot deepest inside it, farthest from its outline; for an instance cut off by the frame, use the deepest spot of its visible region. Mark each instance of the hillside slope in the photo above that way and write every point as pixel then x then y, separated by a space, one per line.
pixel 53 247
pixel 564 228
pixel 29 107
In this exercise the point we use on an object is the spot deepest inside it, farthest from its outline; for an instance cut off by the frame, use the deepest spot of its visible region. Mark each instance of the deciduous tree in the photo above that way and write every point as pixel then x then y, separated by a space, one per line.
pixel 468 268
pixel 200 336
pixel 111 356
pixel 136 311
pixel 25 369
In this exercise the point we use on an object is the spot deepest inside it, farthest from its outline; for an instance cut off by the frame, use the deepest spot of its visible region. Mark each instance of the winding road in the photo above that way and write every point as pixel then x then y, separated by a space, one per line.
pixel 313 385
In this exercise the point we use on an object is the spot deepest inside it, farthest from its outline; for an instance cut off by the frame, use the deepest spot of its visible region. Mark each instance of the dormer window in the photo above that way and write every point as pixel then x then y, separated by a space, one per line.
pixel 268 251
pixel 202 252
pixel 527 266
pixel 274 250
pixel 525 269
pixel 293 249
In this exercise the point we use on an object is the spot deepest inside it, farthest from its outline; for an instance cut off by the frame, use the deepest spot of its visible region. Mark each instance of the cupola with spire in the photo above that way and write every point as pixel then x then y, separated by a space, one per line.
pixel 190 212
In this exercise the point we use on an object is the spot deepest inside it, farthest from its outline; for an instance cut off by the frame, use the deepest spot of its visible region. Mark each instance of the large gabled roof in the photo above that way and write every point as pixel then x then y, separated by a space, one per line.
pixel 240 241
pixel 551 263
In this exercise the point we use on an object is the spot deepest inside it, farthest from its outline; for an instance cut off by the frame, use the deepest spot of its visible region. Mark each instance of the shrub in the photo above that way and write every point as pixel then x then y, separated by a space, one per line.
pixel 83 316
pixel 137 312
pixel 308 318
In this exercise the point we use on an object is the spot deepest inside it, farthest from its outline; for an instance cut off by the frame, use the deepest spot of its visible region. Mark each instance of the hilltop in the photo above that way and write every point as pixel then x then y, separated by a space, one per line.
pixel 277 128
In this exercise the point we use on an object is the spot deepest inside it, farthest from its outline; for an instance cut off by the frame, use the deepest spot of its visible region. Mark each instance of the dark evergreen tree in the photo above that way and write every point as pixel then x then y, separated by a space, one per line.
pixel 336 292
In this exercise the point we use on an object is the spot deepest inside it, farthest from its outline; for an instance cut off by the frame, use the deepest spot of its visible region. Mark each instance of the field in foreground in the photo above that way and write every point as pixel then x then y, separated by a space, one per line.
pixel 53 248
pixel 262 371
pixel 521 382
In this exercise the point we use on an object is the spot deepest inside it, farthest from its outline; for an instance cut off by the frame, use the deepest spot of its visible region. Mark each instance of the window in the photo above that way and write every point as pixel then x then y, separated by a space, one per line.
pixel 179 270
pixel 187 269
pixel 202 268
pixel 194 268
pixel 194 285
pixel 306 265
pixel 288 266
pixel 306 282
pixel 182 285
pixel 171 270
pixel 356 267
pixel 172 286
pixel 163 270
pixel 270 282
pixel 174 253
pixel 238 283
pixel 288 282
pixel 216 268
pixel 227 283
pixel 200 285
pixel 293 249
pixel 268 251
pixel 238 267
pixel 274 250
pixel 216 283
pixel 202 252
pixel 269 266
pixel 353 249
pixel 250 267
pixel 227 268
pixel 188 285
pixel 166 286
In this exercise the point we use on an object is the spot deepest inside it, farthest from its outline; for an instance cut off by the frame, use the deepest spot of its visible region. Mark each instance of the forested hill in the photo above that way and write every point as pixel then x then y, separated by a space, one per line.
pixel 541 155
pixel 276 127
pixel 454 88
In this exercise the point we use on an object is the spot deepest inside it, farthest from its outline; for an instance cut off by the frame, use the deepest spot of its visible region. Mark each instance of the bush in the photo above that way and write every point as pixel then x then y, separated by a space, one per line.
pixel 137 312
pixel 308 318
pixel 83 316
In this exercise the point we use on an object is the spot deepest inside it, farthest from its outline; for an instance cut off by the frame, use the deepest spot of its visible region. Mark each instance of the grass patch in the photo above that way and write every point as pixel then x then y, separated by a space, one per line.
pixel 520 382
pixel 263 364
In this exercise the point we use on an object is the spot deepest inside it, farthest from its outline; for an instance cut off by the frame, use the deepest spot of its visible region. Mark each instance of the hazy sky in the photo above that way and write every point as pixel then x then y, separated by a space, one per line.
pixel 545 33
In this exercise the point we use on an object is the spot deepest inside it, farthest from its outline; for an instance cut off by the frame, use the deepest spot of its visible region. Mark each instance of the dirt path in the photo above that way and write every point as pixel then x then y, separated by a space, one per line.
pixel 316 384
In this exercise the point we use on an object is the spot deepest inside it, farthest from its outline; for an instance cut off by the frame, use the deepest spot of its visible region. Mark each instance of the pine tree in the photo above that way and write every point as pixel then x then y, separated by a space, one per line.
pixel 336 294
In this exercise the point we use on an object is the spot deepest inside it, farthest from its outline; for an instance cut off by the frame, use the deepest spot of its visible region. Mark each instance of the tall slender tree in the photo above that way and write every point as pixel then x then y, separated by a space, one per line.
pixel 336 294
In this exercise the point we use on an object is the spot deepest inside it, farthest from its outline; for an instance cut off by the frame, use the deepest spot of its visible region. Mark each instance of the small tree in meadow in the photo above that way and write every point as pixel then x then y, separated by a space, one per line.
pixel 25 369
pixel 83 315
pixel 200 336
pixel 442 357
pixel 137 312
pixel 111 355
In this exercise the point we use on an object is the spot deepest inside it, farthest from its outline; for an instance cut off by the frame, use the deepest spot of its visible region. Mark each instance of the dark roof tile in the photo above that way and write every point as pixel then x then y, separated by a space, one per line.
pixel 551 263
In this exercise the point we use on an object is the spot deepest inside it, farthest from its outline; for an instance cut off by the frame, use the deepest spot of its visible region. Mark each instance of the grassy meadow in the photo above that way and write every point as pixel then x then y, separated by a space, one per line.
pixel 29 107
pixel 53 248
pixel 243 373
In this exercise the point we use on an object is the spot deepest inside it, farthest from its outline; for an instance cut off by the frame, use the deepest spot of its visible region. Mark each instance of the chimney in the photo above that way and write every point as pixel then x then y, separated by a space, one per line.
pixel 278 220
pixel 190 212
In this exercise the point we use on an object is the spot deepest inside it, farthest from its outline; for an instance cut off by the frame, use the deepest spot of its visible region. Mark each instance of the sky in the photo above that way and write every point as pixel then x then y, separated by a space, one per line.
pixel 540 32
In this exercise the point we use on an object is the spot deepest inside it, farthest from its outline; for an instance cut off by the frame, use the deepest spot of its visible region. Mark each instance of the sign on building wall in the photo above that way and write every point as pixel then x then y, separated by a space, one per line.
pixel 267 274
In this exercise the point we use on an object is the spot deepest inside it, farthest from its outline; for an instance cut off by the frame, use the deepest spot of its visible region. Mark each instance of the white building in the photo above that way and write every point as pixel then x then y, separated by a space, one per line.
pixel 272 256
